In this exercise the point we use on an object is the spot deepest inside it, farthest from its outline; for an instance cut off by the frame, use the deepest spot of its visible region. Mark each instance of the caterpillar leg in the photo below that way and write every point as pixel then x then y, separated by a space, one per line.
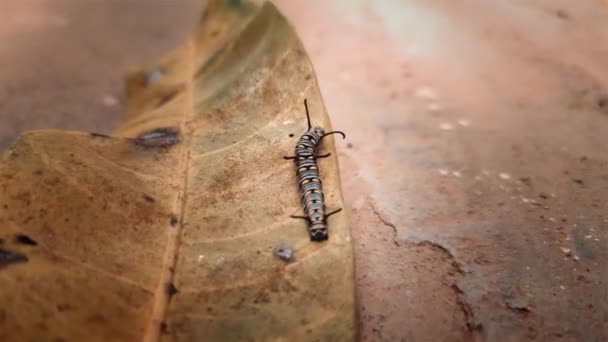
pixel 298 217
pixel 333 212
pixel 323 156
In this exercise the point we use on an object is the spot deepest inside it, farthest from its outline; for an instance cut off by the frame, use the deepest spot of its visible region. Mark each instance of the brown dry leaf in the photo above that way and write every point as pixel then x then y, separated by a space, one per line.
pixel 168 230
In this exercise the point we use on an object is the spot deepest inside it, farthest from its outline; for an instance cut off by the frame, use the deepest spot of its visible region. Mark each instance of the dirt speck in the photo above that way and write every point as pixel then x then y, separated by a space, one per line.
pixel 171 289
pixel 149 198
pixel 285 253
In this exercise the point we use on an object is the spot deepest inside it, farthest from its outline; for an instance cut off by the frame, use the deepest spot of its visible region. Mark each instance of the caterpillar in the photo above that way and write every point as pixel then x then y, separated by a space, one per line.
pixel 310 185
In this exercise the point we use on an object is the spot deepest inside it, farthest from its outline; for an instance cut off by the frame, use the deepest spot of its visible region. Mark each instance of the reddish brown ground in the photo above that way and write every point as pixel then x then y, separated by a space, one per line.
pixel 476 164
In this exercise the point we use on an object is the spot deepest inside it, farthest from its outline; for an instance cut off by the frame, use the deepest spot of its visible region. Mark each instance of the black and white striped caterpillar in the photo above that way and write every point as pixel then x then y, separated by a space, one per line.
pixel 311 188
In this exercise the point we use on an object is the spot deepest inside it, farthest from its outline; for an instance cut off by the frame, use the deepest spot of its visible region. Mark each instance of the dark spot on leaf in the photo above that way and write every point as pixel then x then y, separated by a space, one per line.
pixel 171 289
pixel 161 137
pixel 99 135
pixel 291 135
pixel 214 33
pixel 164 328
pixel 149 198
pixel 96 318
pixel 38 172
pixel 63 307
pixel 308 77
pixel 25 240
pixel 583 159
pixel 8 257
pixel 543 196
pixel 168 97
pixel 284 253
pixel 174 221
pixel 602 101
pixel 578 181
pixel 349 145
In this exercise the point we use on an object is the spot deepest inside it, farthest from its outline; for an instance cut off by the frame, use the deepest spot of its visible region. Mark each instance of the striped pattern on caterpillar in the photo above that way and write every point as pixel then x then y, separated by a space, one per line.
pixel 311 187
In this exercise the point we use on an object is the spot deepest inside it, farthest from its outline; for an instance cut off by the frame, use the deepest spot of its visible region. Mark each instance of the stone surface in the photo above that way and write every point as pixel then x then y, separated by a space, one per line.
pixel 476 149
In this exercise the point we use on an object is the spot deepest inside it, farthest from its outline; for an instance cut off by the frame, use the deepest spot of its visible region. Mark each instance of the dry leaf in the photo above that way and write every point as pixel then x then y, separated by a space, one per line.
pixel 177 227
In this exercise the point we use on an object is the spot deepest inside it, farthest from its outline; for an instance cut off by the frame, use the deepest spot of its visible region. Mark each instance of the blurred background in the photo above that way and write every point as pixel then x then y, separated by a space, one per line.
pixel 476 165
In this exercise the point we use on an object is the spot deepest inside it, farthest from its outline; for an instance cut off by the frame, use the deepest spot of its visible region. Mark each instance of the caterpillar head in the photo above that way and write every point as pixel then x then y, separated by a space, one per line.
pixel 318 234
pixel 319 131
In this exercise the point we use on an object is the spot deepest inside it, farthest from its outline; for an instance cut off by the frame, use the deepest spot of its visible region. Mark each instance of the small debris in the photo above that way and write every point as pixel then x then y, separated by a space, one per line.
pixel 349 145
pixel 284 253
pixel 109 101
pixel 446 126
pixel 426 92
pixel 578 181
pixel 518 304
pixel 291 135
pixel 149 198
pixel 529 201
pixel 566 251
pixel 456 174
pixel 464 123
pixel 153 76
pixel 444 172
pixel 434 107
pixel 160 137
pixel 504 175
pixel 562 287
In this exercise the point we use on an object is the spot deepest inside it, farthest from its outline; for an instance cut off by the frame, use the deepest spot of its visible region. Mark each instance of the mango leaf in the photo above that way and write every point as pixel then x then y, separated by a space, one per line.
pixel 177 226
